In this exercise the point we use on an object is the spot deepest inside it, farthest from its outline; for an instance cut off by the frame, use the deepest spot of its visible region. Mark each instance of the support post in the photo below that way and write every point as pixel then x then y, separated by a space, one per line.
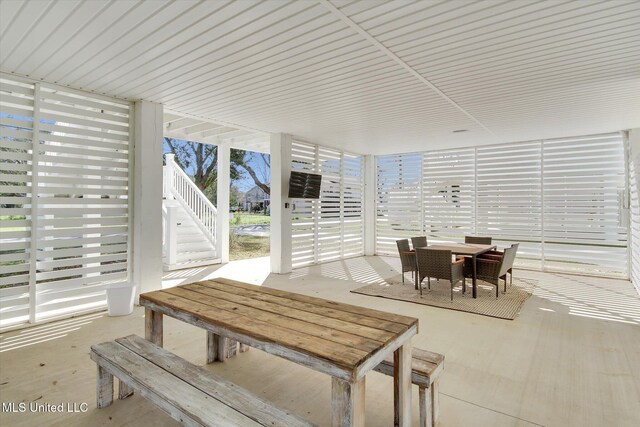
pixel 104 388
pixel 146 193
pixel 223 190
pixel 280 147
pixel 347 403
pixel 167 181
pixel 124 390
pixel 171 235
pixel 402 386
pixel 370 205
pixel 212 347
pixel 153 326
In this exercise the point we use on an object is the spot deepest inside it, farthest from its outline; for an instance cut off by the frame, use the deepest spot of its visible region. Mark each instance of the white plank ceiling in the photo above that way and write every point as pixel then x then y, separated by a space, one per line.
pixel 369 76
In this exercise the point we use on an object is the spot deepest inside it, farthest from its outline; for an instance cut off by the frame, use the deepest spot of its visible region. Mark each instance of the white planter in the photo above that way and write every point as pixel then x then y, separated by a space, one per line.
pixel 120 299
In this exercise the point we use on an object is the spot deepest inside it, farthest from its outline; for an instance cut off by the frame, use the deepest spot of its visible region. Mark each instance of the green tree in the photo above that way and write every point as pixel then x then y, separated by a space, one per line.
pixel 260 172
pixel 201 161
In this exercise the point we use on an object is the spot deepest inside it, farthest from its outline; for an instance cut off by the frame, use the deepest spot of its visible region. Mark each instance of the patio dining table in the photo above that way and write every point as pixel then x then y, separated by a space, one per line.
pixel 340 340
pixel 471 250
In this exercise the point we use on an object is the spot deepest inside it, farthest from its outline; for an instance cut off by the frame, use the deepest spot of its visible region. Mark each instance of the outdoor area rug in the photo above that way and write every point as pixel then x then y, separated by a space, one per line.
pixel 507 306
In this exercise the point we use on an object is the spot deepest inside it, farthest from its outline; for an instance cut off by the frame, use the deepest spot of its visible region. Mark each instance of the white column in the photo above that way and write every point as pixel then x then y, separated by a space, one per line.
pixel 146 196
pixel 369 205
pixel 223 182
pixel 280 146
pixel 634 201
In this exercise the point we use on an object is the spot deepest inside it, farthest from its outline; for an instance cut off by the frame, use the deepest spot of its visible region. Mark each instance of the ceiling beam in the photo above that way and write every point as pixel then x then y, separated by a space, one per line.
pixel 344 18
pixel 217 122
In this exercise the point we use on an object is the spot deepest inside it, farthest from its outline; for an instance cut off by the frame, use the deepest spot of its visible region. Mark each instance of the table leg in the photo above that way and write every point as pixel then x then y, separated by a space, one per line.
pixel 212 347
pixel 473 278
pixel 402 386
pixel 153 326
pixel 347 403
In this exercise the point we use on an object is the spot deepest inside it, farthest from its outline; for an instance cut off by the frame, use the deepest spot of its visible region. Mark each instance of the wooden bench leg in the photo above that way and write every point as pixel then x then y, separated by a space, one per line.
pixel 244 348
pixel 104 388
pixel 232 348
pixel 435 399
pixel 220 348
pixel 124 390
pixel 426 411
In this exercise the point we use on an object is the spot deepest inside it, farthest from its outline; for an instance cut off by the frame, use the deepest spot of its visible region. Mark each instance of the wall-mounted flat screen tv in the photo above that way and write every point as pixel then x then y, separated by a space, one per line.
pixel 304 185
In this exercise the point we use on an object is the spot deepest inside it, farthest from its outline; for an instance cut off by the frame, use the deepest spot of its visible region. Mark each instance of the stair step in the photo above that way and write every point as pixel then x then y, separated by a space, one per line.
pixel 194 246
pixel 191 264
pixel 195 255
pixel 193 239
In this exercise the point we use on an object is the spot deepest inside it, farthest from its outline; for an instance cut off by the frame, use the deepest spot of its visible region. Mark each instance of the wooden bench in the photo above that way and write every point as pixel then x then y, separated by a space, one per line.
pixel 425 370
pixel 189 393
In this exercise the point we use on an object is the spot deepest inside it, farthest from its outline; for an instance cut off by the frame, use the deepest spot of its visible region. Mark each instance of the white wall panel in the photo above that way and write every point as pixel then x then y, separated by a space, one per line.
pixel 634 192
pixel 399 213
pixel 331 227
pixel 68 192
pixel 563 200
pixel 509 197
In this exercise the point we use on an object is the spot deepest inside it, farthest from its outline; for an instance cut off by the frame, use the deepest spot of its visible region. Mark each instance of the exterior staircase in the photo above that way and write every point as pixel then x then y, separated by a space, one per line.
pixel 189 220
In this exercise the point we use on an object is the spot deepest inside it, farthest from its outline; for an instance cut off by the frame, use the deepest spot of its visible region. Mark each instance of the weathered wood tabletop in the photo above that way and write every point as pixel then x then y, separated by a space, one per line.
pixel 341 340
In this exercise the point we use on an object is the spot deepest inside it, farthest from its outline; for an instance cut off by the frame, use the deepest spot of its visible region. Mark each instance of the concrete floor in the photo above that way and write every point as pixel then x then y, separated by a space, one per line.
pixel 572 357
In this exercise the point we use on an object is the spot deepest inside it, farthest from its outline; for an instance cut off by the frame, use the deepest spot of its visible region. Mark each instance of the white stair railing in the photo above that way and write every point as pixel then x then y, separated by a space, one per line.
pixel 178 186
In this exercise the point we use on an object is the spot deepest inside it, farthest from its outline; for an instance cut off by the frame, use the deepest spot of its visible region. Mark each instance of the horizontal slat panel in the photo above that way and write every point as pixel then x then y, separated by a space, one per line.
pixel 82 193
pixel 319 226
pixel 566 193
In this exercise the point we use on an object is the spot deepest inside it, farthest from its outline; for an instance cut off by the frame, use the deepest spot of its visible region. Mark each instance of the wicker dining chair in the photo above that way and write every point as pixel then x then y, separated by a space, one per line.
pixel 477 240
pixel 498 255
pixel 492 270
pixel 436 263
pixel 474 240
pixel 419 242
pixel 407 257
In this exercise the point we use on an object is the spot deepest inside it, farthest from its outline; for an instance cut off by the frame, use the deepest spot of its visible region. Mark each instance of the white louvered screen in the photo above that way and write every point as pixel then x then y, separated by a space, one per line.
pixel 329 223
pixel 331 227
pixel 16 133
pixel 584 184
pixel 399 213
pixel 634 191
pixel 509 195
pixel 500 191
pixel 448 194
pixel 352 205
pixel 79 187
pixel 304 213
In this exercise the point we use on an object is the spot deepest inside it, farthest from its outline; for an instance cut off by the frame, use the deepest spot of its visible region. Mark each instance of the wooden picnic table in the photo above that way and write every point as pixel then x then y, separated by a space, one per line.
pixel 466 249
pixel 341 340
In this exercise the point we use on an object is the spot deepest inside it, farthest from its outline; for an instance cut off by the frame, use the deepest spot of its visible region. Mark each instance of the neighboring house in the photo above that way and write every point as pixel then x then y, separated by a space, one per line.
pixel 256 199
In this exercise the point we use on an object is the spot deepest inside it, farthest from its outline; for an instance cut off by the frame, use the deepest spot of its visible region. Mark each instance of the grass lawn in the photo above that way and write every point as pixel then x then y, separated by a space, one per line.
pixel 246 218
pixel 243 247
